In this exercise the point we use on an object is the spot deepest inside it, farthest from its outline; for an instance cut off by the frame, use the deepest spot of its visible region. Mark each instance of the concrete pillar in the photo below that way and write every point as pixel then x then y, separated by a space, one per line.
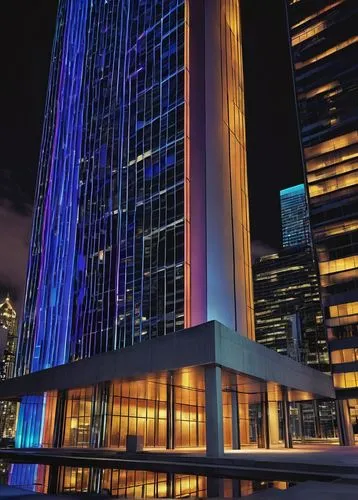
pixel 170 412
pixel 345 429
pixel 263 437
pixel 235 414
pixel 214 412
pixel 286 418
pixel 273 423
pixel 244 419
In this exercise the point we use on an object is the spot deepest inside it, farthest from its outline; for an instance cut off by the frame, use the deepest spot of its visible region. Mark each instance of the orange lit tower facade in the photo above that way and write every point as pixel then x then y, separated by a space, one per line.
pixel 324 42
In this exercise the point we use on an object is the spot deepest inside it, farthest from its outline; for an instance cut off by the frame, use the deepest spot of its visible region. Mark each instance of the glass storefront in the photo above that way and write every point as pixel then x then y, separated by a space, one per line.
pixel 167 410
pixel 77 428
pixel 138 407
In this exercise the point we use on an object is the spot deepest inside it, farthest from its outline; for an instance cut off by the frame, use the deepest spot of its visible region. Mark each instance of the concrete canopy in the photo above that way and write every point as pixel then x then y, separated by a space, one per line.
pixel 207 344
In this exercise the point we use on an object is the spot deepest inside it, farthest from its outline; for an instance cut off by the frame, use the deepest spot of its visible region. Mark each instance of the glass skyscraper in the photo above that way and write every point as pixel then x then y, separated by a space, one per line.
pixel 324 43
pixel 116 241
pixel 288 313
pixel 141 222
pixel 294 216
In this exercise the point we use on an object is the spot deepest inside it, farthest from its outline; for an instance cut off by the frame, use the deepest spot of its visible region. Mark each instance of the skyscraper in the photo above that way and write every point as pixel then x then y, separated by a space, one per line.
pixel 294 216
pixel 141 230
pixel 125 231
pixel 8 336
pixel 288 313
pixel 324 48
pixel 122 217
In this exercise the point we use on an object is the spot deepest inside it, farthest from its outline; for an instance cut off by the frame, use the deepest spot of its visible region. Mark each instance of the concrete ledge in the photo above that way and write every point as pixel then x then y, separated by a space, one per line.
pixel 209 343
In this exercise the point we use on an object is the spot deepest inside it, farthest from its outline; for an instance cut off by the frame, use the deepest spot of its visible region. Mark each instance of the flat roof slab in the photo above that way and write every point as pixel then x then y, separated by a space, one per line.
pixel 209 343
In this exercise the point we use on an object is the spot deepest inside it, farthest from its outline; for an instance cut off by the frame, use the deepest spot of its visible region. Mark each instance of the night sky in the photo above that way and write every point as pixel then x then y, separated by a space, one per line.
pixel 273 148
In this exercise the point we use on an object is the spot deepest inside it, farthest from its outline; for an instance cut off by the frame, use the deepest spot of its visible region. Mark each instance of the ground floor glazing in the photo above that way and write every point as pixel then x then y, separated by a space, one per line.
pixel 172 410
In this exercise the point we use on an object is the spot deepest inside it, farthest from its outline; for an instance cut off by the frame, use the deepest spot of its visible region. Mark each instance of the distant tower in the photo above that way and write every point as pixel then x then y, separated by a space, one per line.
pixel 294 216
pixel 8 343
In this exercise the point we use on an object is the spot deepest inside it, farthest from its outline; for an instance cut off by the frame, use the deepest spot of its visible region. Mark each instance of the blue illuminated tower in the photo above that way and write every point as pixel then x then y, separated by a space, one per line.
pixel 295 216
pixel 119 252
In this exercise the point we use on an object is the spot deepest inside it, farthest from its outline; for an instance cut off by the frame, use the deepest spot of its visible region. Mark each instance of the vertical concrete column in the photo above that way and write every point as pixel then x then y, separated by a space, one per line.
pixel 214 411
pixel 170 412
pixel 286 418
pixel 345 430
pixel 273 422
pixel 244 419
pixel 235 414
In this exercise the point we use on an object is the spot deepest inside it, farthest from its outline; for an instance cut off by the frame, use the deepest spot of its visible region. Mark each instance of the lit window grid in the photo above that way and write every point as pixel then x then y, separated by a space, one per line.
pixel 330 148
pixel 89 259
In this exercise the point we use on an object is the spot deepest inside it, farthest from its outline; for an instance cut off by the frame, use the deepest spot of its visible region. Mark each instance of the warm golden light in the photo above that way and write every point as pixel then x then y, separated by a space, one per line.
pixel 343 309
pixel 319 90
pixel 345 380
pixel 337 169
pixel 344 356
pixel 336 229
pixel 330 185
pixel 331 145
pixel 328 52
pixel 318 13
pixel 338 265
pixel 309 32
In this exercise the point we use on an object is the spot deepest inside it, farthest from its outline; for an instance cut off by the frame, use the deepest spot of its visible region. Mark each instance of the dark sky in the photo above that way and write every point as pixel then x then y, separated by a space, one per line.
pixel 273 152
pixel 274 160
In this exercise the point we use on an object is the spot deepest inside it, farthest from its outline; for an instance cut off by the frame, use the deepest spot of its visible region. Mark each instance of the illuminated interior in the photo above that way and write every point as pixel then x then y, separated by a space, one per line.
pixel 78 414
pixel 328 52
pixel 167 410
pixel 349 355
pixel 345 380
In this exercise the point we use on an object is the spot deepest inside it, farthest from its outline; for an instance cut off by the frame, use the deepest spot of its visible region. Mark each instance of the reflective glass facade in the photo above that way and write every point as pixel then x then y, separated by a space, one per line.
pixel 324 47
pixel 294 216
pixel 168 410
pixel 107 254
pixel 141 134
pixel 113 250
